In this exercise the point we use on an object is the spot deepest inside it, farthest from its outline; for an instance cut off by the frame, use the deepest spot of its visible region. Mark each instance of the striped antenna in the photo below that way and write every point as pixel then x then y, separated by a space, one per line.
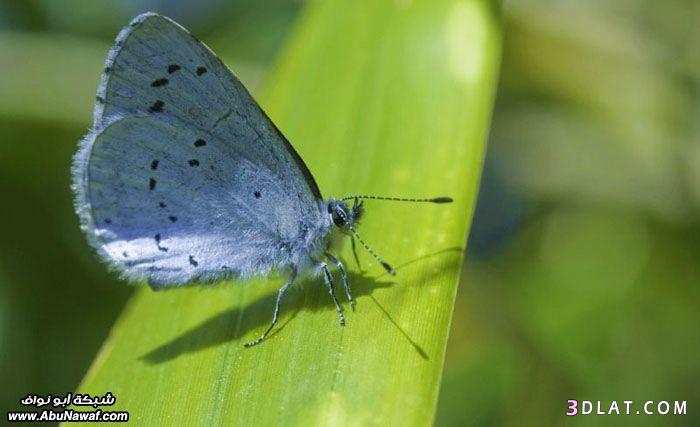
pixel 384 264
pixel 399 199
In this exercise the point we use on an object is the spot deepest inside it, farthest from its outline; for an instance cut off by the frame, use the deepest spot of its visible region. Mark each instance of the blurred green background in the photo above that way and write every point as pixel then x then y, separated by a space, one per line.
pixel 582 274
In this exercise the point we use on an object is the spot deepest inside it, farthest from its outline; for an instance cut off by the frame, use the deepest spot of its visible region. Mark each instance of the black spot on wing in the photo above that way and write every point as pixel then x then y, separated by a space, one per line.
pixel 172 218
pixel 193 262
pixel 162 204
pixel 157 239
pixel 193 162
pixel 201 70
pixel 151 184
pixel 200 143
pixel 157 107
pixel 108 220
pixel 172 68
pixel 257 195
pixel 154 165
pixel 160 82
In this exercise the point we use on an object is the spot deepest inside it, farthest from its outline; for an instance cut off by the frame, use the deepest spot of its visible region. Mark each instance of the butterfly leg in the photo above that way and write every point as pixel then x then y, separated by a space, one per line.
pixel 280 295
pixel 343 276
pixel 329 283
pixel 354 252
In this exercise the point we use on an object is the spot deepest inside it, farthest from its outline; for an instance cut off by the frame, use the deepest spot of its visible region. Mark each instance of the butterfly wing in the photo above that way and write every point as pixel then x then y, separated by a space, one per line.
pixel 184 177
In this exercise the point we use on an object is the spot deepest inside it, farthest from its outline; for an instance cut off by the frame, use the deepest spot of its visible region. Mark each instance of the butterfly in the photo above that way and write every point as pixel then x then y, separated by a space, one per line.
pixel 183 178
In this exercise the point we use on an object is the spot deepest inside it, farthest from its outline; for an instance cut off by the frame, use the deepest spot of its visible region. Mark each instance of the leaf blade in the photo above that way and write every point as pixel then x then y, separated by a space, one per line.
pixel 378 97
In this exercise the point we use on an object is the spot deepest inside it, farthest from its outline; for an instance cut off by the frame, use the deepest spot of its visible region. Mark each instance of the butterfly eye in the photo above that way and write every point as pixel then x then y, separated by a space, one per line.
pixel 339 217
pixel 338 220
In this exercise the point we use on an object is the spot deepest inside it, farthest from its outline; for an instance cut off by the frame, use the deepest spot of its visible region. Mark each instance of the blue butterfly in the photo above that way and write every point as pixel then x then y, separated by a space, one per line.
pixel 183 178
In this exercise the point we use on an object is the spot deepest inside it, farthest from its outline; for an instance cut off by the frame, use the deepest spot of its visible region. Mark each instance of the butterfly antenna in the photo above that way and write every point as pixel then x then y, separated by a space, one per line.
pixel 384 264
pixel 400 199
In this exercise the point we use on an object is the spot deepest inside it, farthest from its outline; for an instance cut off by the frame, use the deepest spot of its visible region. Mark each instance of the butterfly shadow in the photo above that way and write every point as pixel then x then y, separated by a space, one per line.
pixel 308 294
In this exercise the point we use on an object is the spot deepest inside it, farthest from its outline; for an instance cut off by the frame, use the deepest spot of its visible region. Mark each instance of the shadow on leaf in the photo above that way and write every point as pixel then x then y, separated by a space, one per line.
pixel 308 294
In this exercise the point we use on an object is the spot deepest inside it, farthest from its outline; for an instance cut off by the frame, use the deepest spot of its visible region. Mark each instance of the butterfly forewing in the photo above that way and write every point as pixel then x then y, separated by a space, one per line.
pixel 184 177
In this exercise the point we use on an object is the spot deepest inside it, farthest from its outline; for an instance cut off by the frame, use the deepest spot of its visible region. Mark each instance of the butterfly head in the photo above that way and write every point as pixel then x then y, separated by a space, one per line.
pixel 345 217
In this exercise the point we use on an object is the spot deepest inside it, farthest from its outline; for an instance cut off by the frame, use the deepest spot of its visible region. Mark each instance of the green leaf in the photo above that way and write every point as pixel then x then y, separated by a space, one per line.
pixel 380 97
